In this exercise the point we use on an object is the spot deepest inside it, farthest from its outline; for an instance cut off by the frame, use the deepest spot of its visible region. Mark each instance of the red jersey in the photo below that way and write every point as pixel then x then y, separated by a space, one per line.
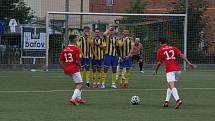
pixel 71 57
pixel 169 55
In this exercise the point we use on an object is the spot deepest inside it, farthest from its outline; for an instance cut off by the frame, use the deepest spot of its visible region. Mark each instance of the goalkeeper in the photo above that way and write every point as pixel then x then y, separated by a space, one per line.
pixel 138 54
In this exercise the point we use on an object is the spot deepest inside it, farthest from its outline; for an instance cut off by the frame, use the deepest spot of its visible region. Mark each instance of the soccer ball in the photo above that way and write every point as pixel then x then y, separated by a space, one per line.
pixel 135 100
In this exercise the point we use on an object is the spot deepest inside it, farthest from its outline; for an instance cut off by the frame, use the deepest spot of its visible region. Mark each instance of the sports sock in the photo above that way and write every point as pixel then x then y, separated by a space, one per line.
pixel 124 73
pixel 141 66
pixel 127 75
pixel 168 94
pixel 79 94
pixel 88 76
pixel 82 74
pixel 117 72
pixel 98 77
pixel 120 76
pixel 104 77
pixel 175 94
pixel 94 77
pixel 114 78
pixel 75 93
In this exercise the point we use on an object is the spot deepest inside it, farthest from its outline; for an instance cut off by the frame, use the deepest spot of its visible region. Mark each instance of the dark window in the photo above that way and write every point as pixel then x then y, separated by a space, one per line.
pixel 109 2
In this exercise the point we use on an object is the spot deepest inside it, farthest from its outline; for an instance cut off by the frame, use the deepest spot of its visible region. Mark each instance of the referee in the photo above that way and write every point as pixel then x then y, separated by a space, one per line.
pixel 138 54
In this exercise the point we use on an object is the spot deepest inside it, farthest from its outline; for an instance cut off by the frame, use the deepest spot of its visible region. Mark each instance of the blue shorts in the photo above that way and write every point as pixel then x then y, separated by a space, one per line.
pixel 97 63
pixel 111 60
pixel 85 62
pixel 126 63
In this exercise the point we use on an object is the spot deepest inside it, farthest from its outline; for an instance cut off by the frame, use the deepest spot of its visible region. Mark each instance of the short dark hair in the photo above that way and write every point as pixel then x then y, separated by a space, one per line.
pixel 125 28
pixel 163 40
pixel 97 29
pixel 72 37
pixel 86 27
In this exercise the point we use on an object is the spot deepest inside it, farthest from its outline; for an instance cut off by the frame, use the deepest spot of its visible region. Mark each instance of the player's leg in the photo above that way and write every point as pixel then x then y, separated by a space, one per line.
pixel 87 68
pixel 114 62
pixel 128 72
pixel 82 68
pixel 107 63
pixel 94 77
pixel 94 73
pixel 171 78
pixel 118 69
pixel 99 75
pixel 121 78
pixel 168 96
pixel 124 73
pixel 140 60
pixel 76 97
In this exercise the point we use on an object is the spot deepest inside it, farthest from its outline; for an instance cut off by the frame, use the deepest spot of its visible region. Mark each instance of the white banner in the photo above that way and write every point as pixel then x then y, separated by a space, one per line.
pixel 34 43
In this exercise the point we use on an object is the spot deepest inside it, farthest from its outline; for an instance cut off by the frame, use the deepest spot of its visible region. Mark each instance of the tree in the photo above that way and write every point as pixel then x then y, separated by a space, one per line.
pixel 15 9
pixel 197 22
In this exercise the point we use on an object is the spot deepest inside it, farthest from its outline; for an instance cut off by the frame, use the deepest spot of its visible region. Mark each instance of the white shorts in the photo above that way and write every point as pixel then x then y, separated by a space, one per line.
pixel 76 77
pixel 173 76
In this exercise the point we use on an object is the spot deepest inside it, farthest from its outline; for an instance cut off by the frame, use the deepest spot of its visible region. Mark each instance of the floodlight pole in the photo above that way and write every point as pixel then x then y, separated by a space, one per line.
pixel 66 21
pixel 47 41
pixel 185 31
pixel 81 16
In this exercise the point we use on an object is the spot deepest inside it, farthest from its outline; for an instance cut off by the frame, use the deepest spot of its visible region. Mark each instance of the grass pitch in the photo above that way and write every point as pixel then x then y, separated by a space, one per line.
pixel 43 96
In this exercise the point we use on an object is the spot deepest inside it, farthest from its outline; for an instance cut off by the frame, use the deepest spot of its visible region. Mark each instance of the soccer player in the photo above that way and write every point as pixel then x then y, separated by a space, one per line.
pixel 126 47
pixel 111 57
pixel 85 46
pixel 169 54
pixel 69 60
pixel 97 60
pixel 137 53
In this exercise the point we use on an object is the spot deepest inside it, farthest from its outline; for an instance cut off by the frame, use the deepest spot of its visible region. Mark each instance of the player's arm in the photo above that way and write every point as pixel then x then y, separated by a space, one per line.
pixel 121 42
pixel 107 32
pixel 187 61
pixel 77 57
pixel 131 51
pixel 61 60
pixel 157 67
pixel 184 58
pixel 159 61
pixel 94 52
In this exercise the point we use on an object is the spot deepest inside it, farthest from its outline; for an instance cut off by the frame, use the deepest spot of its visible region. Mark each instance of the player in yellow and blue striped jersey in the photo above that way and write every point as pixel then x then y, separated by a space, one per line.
pixel 111 55
pixel 125 43
pixel 98 46
pixel 85 44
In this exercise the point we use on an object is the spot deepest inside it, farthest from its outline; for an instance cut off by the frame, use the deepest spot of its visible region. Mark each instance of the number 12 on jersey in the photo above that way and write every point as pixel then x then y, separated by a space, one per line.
pixel 170 54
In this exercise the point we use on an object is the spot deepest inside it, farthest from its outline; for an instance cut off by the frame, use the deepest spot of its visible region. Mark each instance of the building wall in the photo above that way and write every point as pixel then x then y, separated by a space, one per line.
pixel 41 7
pixel 157 6
pixel 153 6
pixel 211 27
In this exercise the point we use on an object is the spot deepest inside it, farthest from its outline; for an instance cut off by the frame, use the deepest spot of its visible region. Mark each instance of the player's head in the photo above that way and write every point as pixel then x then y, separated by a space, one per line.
pixel 111 30
pixel 163 40
pixel 97 32
pixel 125 31
pixel 86 30
pixel 137 40
pixel 73 39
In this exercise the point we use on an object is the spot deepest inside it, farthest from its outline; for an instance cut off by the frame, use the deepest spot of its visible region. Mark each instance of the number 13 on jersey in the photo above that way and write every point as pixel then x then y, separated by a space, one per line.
pixel 68 57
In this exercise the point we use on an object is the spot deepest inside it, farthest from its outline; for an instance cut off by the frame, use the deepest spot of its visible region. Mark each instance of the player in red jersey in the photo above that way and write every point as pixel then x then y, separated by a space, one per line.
pixel 69 60
pixel 169 55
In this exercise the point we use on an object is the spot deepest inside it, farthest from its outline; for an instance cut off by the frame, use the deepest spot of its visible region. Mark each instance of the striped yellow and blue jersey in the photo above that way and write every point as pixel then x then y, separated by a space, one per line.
pixel 96 46
pixel 111 44
pixel 126 47
pixel 85 47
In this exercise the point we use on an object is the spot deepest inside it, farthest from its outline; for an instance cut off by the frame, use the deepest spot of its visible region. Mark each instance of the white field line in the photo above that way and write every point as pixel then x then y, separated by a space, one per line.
pixel 105 90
